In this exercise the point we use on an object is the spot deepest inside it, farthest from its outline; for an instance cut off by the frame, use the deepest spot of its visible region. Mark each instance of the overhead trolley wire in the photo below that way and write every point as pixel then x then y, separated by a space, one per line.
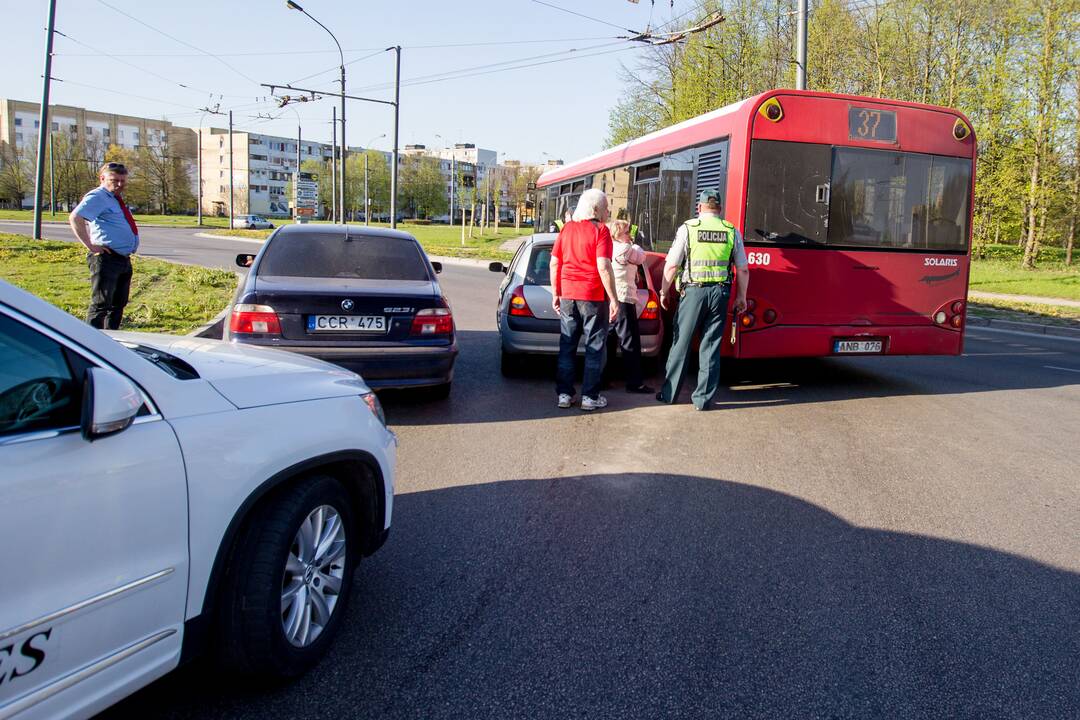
pixel 178 40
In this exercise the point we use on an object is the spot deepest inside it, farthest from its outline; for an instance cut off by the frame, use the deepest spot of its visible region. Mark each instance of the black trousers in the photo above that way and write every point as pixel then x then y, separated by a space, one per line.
pixel 626 328
pixel 110 284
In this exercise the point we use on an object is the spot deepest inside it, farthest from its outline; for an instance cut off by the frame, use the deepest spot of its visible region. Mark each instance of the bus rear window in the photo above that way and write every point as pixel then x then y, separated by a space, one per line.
pixel 820 195
pixel 886 199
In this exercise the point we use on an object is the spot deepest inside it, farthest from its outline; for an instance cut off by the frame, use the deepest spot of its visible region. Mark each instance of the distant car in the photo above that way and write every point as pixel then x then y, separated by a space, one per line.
pixel 165 495
pixel 527 323
pixel 365 298
pixel 252 222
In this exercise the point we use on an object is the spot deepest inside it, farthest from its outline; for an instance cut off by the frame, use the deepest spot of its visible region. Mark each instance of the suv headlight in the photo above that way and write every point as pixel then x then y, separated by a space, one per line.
pixel 374 406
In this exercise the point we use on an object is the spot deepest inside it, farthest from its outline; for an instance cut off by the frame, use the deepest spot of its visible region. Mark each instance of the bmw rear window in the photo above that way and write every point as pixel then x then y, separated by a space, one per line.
pixel 359 257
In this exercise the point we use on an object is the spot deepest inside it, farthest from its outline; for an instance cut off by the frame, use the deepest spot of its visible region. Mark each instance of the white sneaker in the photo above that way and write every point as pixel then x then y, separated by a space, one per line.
pixel 588 403
pixel 565 400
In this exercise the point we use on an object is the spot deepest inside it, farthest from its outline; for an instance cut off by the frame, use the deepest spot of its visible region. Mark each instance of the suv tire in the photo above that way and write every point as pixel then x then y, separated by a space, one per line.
pixel 254 637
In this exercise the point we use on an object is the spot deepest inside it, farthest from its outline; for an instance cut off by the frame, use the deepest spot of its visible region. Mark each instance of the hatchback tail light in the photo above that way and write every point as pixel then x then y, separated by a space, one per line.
pixel 432 321
pixel 518 306
pixel 254 320
pixel 652 307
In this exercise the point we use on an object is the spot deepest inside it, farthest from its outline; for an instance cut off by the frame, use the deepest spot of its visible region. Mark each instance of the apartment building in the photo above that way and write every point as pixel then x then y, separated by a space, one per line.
pixel 263 166
pixel 94 130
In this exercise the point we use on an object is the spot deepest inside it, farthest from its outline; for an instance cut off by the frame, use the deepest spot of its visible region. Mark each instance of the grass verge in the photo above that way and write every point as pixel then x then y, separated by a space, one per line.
pixel 165 297
pixel 1053 280
pixel 436 239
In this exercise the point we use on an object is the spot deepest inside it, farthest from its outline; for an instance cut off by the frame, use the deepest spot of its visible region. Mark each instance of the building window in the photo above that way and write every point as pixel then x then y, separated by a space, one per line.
pixel 55 126
pixel 105 132
pixel 18 137
pixel 18 122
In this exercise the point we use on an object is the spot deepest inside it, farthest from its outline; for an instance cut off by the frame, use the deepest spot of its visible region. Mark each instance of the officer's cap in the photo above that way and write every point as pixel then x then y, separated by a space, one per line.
pixel 709 196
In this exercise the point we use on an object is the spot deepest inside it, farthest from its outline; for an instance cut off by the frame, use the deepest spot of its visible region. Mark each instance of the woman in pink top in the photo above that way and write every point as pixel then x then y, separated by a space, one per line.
pixel 626 258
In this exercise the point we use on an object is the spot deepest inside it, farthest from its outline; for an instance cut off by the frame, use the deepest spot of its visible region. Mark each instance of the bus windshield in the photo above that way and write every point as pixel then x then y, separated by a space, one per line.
pixel 821 195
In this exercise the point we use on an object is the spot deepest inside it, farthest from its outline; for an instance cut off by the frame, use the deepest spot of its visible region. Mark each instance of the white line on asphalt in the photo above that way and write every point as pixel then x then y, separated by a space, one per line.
pixel 1055 367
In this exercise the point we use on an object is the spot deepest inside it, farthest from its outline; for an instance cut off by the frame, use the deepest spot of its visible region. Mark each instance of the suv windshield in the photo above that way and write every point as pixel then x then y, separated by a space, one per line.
pixel 332 255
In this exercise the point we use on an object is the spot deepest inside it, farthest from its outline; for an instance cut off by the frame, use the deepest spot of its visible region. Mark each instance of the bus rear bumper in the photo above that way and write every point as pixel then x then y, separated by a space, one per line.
pixel 820 341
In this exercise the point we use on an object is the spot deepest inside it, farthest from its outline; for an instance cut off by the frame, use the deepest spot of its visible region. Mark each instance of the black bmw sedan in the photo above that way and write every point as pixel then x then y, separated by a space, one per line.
pixel 364 298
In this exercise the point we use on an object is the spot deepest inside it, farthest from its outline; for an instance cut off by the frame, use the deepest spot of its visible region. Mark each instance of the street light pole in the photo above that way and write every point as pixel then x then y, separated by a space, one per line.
pixel 232 192
pixel 333 167
pixel 397 118
pixel 340 203
pixel 800 47
pixel 43 122
pixel 367 197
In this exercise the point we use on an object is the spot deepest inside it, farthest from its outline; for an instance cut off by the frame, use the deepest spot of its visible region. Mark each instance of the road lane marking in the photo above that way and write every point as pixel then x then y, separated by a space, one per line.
pixel 1055 367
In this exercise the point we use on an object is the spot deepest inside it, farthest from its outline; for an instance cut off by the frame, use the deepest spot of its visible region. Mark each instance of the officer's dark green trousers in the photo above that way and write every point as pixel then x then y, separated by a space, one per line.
pixel 703 308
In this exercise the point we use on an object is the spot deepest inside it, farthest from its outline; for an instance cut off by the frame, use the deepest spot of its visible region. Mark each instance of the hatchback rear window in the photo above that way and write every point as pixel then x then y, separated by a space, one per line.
pixel 538 270
pixel 360 257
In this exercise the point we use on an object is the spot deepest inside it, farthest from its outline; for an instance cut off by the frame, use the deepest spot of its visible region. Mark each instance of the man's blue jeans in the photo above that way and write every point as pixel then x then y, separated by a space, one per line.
pixel 575 318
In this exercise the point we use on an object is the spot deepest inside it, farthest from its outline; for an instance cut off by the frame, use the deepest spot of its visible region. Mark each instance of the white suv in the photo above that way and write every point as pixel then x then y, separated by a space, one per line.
pixel 162 496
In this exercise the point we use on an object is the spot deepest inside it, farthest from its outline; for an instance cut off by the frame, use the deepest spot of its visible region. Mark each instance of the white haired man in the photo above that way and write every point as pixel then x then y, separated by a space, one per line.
pixel 582 284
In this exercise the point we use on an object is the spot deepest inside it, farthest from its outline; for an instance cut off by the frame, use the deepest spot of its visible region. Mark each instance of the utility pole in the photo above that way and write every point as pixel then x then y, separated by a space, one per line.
pixel 397 118
pixel 341 169
pixel 800 50
pixel 296 175
pixel 333 167
pixel 52 177
pixel 43 121
pixel 367 201
pixel 198 158
pixel 231 191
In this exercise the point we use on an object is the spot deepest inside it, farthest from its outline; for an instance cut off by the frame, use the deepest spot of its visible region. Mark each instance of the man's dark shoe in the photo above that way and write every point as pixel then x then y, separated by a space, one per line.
pixel 660 398
pixel 641 389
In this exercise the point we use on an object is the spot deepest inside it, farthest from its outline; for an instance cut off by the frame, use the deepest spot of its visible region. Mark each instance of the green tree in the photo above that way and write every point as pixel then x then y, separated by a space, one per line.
pixel 422 188
pixel 16 174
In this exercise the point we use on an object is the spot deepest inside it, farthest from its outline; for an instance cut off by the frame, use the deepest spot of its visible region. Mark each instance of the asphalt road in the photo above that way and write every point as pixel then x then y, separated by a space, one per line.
pixel 174 244
pixel 878 537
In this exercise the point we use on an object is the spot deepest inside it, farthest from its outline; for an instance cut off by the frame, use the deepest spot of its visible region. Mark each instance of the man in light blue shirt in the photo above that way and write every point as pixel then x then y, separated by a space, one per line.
pixel 103 223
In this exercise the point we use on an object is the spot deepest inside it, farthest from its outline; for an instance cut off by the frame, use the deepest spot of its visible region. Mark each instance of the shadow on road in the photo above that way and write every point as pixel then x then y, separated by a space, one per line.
pixel 640 596
pixel 481 394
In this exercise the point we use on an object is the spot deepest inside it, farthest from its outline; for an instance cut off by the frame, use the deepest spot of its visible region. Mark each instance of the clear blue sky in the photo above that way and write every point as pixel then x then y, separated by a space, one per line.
pixel 559 108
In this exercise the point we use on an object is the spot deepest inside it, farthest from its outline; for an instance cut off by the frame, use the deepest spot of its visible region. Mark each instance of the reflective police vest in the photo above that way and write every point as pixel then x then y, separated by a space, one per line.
pixel 712 241
pixel 559 224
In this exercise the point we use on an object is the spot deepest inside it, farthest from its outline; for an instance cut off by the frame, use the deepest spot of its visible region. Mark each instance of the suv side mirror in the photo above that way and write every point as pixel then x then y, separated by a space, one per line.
pixel 245 259
pixel 497 267
pixel 436 266
pixel 110 403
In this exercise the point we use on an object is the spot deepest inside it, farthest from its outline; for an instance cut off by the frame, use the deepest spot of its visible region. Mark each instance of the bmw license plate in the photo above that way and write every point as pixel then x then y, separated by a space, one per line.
pixel 848 346
pixel 346 323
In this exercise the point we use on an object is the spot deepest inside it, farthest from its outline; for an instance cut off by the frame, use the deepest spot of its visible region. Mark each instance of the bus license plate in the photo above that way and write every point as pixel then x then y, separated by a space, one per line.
pixel 858 346
pixel 346 323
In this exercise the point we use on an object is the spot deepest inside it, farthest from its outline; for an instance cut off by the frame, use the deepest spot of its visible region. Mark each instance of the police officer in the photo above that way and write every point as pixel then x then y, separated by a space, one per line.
pixel 704 250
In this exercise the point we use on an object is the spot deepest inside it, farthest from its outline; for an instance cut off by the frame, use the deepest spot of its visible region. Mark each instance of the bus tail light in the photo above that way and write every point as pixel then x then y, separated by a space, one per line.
pixel 751 304
pixel 958 307
pixel 747 320
pixel 771 110
pixel 957 320
pixel 247 319
pixel 769 316
pixel 940 317
pixel 432 321
pixel 518 306
pixel 652 307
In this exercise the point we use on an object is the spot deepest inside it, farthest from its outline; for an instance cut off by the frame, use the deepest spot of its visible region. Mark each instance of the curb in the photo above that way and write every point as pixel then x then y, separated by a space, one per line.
pixel 215 328
pixel 1030 328
pixel 231 238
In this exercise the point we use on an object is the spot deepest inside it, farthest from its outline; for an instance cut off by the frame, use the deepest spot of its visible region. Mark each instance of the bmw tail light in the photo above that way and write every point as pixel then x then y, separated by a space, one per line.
pixel 652 307
pixel 249 319
pixel 431 322
pixel 518 306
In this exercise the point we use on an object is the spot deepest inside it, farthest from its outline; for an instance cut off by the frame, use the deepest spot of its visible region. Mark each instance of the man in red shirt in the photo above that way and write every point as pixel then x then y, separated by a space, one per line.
pixel 583 293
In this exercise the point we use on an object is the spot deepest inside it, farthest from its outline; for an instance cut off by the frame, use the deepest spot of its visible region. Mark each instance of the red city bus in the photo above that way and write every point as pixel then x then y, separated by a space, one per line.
pixel 855 211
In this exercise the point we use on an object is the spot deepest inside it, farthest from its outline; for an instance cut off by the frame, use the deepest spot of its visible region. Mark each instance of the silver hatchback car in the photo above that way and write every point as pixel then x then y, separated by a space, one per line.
pixel 528 325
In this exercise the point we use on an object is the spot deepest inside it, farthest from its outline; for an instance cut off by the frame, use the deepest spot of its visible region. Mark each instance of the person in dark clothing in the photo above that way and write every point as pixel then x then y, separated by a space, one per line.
pixel 103 223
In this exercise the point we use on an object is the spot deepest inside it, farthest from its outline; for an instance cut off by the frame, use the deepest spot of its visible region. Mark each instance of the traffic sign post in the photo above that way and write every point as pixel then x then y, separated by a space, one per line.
pixel 306 196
